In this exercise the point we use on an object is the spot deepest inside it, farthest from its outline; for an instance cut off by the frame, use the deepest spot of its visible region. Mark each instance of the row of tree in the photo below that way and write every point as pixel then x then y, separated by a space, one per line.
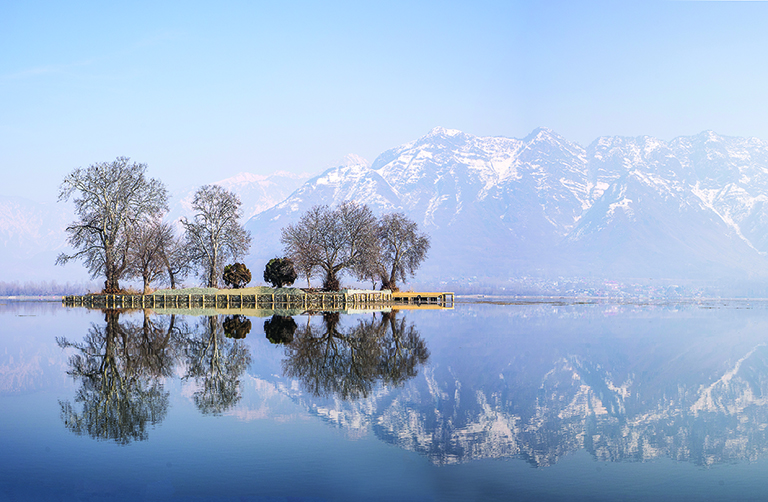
pixel 350 239
pixel 120 232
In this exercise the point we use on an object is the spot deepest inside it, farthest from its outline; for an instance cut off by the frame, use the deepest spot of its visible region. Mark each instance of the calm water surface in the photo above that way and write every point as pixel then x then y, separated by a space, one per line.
pixel 532 401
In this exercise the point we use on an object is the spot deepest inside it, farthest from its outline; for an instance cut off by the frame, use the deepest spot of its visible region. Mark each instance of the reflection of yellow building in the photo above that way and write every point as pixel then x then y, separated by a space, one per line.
pixel 422 306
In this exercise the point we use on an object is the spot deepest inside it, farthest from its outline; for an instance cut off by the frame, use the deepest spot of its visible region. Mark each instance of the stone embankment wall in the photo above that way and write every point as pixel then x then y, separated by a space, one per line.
pixel 299 299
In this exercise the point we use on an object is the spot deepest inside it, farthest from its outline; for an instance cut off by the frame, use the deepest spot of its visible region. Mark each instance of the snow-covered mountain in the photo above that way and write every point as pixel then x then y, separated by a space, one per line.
pixel 32 234
pixel 543 206
pixel 257 192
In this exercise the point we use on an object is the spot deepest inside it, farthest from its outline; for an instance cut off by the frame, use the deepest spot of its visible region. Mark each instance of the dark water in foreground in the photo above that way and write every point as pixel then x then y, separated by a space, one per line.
pixel 539 401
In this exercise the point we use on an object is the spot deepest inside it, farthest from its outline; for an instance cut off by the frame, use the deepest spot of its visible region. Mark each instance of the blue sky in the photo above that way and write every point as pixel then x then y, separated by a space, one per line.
pixel 201 92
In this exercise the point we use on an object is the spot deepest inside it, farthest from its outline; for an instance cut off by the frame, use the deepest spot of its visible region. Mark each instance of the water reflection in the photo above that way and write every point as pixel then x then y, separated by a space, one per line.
pixel 578 405
pixel 237 326
pixel 119 367
pixel 348 363
pixel 216 363
pixel 695 388
pixel 280 329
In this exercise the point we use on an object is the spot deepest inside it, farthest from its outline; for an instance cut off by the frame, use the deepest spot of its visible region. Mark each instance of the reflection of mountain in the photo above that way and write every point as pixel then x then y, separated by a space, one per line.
pixel 578 406
pixel 632 399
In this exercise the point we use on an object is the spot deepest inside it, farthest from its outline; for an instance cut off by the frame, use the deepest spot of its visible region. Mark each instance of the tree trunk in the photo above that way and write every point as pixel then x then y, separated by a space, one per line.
pixel 213 281
pixel 393 279
pixel 111 285
pixel 331 282
pixel 388 283
pixel 112 273
pixel 212 278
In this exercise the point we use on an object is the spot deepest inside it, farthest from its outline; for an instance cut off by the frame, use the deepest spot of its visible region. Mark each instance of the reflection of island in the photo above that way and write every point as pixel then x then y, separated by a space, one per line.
pixel 348 363
pixel 698 395
pixel 216 363
pixel 119 367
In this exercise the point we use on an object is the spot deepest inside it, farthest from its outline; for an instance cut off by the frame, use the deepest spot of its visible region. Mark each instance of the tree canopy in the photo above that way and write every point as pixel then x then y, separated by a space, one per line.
pixel 402 249
pixel 333 240
pixel 280 272
pixel 215 236
pixel 147 254
pixel 236 275
pixel 350 239
pixel 111 199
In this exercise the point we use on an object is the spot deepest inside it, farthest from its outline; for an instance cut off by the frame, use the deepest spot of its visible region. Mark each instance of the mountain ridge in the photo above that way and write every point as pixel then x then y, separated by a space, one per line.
pixel 542 205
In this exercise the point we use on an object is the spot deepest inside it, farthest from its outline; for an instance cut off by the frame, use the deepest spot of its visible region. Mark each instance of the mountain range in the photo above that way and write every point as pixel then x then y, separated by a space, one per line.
pixel 498 209
pixel 541 206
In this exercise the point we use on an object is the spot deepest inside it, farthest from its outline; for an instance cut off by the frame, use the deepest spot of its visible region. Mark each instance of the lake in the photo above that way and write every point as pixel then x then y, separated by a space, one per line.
pixel 525 400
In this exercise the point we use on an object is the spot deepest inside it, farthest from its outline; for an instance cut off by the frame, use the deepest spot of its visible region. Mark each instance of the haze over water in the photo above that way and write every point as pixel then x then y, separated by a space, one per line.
pixel 537 400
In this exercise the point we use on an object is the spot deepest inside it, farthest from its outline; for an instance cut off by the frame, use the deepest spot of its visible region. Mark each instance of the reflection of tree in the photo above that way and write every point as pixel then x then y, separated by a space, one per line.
pixel 236 326
pixel 119 366
pixel 348 363
pixel 216 363
pixel 280 329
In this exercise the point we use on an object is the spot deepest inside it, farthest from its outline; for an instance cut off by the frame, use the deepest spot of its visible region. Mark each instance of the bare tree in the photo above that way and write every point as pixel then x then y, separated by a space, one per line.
pixel 112 198
pixel 301 241
pixel 176 259
pixel 147 254
pixel 333 240
pixel 402 249
pixel 215 237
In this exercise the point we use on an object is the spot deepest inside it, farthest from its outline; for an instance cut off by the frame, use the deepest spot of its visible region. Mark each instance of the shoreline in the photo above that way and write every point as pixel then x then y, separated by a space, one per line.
pixel 32 298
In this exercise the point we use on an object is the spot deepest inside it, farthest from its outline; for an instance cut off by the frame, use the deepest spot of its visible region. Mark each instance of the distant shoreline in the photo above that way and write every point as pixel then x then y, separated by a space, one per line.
pixel 494 299
pixel 33 298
